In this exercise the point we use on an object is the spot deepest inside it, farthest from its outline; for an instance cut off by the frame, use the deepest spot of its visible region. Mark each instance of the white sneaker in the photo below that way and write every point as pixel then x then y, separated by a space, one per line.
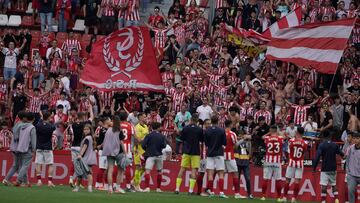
pixel 158 190
pixel 90 190
pixel 222 195
pixel 120 190
pixel 5 182
pixel 293 200
pixel 238 196
pixel 146 190
pixel 39 183
pixel 76 189
pixel 71 182
pixel 284 199
pixel 51 184
pixel 138 188
pixel 263 199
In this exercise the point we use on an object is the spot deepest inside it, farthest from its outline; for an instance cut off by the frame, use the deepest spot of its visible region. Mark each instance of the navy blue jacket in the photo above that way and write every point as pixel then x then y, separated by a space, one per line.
pixel 153 144
pixel 215 139
pixel 327 150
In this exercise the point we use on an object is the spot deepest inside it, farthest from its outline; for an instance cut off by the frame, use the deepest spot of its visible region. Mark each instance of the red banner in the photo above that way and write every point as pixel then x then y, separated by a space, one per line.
pixel 124 60
pixel 309 186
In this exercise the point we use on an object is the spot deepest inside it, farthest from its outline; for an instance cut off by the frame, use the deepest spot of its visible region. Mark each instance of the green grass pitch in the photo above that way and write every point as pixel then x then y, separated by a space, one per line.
pixel 63 194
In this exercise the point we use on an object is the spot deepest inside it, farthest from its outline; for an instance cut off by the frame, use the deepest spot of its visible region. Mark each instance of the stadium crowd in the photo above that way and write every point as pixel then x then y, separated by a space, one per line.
pixel 204 73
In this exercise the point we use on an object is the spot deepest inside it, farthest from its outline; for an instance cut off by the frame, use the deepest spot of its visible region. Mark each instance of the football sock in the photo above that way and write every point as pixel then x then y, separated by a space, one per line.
pixel 147 180
pixel 199 182
pixel 286 189
pixel 210 185
pixel 323 196
pixel 264 187
pixel 236 185
pixel 159 179
pixel 278 188
pixel 192 185
pixel 127 177
pixel 221 184
pixel 178 183
pixel 296 189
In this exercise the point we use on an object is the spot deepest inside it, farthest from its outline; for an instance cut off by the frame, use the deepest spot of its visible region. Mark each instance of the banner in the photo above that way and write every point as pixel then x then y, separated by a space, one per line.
pixel 124 60
pixel 246 45
pixel 309 186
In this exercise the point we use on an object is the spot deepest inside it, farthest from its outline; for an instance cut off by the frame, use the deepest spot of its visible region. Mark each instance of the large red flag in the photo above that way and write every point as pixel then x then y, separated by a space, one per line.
pixel 124 60
pixel 319 46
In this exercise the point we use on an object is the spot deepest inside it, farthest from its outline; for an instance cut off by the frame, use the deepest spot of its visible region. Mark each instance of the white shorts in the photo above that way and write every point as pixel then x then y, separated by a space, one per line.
pixel 202 168
pixel 272 170
pixel 215 163
pixel 156 160
pixel 292 172
pixel 230 166
pixel 328 178
pixel 44 157
pixel 103 164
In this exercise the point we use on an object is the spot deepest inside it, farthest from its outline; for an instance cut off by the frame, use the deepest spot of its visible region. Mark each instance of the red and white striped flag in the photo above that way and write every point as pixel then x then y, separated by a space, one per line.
pixel 317 45
pixel 292 19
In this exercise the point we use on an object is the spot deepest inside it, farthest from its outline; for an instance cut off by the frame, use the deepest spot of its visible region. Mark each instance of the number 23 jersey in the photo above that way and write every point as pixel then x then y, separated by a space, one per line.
pixel 274 146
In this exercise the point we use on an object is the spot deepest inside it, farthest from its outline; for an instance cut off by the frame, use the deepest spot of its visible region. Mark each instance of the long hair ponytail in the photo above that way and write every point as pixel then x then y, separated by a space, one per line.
pixel 116 124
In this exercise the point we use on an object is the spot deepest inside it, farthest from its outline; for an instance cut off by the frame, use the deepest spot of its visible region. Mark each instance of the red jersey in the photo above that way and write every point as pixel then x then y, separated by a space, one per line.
pixel 230 143
pixel 3 92
pixel 274 146
pixel 128 131
pixel 160 37
pixel 300 113
pixel 44 45
pixel 71 44
pixel 297 149
pixel 35 104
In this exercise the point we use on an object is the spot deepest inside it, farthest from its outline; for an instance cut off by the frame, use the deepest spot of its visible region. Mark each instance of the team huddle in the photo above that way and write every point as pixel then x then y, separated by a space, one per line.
pixel 205 148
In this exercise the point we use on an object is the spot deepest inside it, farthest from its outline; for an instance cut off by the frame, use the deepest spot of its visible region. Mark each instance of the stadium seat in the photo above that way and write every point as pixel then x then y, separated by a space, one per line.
pixel 99 37
pixel 27 21
pixel 77 36
pixel 35 34
pixel 79 25
pixel 4 19
pixel 14 20
pixel 61 36
pixel 29 10
pixel 86 38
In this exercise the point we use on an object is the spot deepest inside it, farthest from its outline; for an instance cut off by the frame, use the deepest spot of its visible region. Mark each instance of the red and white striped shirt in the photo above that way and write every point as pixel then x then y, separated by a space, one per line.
pixel 220 4
pixel 206 50
pixel 132 13
pixel 314 13
pixel 300 113
pixel 160 37
pixel 169 91
pixel 5 138
pixel 71 44
pixel 55 65
pixel 179 32
pixel 108 7
pixel 168 126
pixel 122 10
pixel 297 149
pixel 178 100
pixel 166 76
pixel 264 113
pixel 273 149
pixel 246 112
pixel 35 104
pixel 38 65
pixel 230 143
pixel 3 91
pixel 107 98
pixel 84 105
pixel 25 63
pixel 222 119
pixel 128 131
pixel 328 11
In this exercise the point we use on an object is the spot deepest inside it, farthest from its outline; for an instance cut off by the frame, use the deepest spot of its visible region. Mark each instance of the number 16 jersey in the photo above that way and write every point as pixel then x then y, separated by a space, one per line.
pixel 297 149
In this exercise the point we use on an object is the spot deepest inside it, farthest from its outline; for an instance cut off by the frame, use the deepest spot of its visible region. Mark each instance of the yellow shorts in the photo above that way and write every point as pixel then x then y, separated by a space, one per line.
pixel 190 161
pixel 138 159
